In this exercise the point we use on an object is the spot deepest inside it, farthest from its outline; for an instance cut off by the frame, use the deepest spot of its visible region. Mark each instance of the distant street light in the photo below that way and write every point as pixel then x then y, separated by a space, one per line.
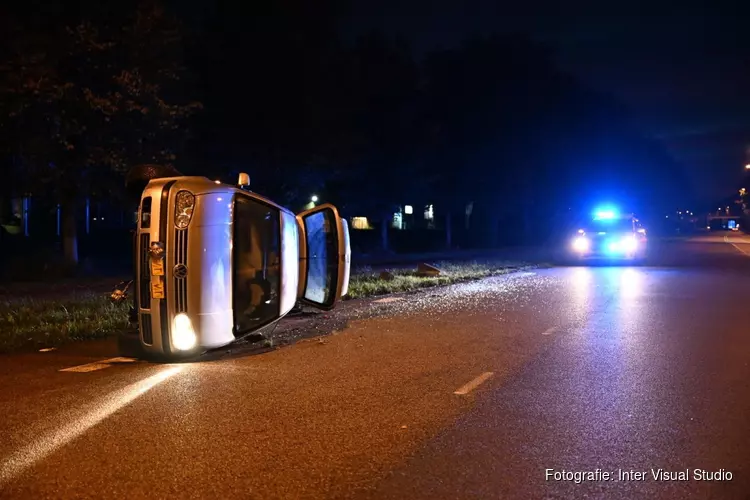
pixel 747 167
pixel 314 198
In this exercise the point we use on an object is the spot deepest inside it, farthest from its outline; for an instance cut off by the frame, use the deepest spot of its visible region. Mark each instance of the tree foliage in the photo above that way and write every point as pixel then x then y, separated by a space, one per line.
pixel 493 122
pixel 366 124
pixel 370 125
pixel 87 99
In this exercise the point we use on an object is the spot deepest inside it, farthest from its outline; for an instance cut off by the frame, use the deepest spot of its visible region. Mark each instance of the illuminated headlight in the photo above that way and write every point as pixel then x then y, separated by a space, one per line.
pixel 581 244
pixel 630 243
pixel 183 209
pixel 183 335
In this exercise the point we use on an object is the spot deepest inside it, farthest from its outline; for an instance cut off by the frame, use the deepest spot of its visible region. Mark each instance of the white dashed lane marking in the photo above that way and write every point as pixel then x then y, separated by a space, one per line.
pixel 549 331
pixel 466 389
pixel 98 365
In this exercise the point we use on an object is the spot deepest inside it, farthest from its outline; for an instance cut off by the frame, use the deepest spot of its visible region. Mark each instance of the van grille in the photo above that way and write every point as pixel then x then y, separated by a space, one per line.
pixel 147 333
pixel 145 278
pixel 180 259
pixel 145 221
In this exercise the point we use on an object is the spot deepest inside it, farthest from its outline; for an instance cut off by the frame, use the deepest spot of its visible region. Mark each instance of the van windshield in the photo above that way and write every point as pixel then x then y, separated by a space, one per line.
pixel 256 280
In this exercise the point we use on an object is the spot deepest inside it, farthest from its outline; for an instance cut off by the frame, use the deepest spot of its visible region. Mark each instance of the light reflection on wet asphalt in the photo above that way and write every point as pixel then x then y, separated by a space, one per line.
pixel 637 378
pixel 592 368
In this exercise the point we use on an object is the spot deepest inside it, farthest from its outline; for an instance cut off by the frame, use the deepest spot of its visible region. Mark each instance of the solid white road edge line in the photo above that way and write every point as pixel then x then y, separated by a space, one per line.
pixel 741 250
pixel 46 444
pixel 726 240
pixel 466 389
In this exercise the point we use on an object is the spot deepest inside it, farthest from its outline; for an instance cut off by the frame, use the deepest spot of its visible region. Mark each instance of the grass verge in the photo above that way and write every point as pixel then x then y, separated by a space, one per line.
pixel 37 322
pixel 366 283
pixel 27 323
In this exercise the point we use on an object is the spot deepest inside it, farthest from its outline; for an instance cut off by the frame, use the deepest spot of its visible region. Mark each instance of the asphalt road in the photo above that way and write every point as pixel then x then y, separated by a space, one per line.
pixel 569 368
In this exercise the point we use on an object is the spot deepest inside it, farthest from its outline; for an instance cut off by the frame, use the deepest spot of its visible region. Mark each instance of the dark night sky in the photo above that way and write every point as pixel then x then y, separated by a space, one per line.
pixel 683 68
pixel 683 71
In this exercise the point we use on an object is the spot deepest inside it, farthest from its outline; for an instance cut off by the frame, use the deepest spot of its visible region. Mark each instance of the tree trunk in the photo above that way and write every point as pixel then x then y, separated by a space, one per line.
pixel 469 209
pixel 448 231
pixel 384 232
pixel 493 226
pixel 70 233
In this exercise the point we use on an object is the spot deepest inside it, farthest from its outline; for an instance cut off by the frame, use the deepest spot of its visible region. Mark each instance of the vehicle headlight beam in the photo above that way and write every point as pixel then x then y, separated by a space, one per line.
pixel 183 334
pixel 581 244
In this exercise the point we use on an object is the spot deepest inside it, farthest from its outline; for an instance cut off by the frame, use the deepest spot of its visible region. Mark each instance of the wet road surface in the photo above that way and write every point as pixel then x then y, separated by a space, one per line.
pixel 469 391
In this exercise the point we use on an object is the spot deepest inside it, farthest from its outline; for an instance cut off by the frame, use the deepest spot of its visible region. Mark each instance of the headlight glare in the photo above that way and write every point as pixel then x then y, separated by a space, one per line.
pixel 630 243
pixel 581 244
pixel 183 335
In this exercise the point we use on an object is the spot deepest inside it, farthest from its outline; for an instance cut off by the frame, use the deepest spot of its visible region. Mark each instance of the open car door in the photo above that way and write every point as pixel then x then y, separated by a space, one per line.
pixel 325 257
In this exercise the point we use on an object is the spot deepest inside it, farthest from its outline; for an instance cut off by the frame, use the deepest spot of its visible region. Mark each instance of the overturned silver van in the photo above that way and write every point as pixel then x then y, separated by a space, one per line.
pixel 216 262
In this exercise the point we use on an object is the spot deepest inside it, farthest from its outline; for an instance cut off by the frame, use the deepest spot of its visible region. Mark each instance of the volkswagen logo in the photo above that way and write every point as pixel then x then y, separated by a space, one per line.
pixel 180 271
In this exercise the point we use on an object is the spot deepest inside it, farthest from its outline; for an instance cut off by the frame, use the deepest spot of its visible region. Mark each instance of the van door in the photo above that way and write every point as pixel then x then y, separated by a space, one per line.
pixel 325 257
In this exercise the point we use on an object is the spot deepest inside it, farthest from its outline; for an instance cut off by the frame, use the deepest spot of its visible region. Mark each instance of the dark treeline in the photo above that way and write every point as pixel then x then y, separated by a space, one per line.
pixel 274 89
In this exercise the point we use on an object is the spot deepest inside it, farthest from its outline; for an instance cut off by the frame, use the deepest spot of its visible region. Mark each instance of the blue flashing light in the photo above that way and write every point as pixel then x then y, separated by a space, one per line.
pixel 605 214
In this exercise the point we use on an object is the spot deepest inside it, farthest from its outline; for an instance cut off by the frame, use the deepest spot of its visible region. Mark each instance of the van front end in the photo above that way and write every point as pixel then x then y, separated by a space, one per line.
pixel 214 263
pixel 183 226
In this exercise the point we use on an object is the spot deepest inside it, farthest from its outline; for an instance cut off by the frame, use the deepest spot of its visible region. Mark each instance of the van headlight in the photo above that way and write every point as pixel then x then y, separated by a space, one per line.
pixel 183 209
pixel 183 335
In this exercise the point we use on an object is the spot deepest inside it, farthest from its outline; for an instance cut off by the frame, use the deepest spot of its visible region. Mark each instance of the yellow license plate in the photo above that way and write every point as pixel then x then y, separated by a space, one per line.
pixel 157 288
pixel 157 267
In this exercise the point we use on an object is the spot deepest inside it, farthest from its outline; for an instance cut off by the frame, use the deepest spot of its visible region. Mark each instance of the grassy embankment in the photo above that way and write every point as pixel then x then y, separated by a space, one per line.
pixel 32 322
